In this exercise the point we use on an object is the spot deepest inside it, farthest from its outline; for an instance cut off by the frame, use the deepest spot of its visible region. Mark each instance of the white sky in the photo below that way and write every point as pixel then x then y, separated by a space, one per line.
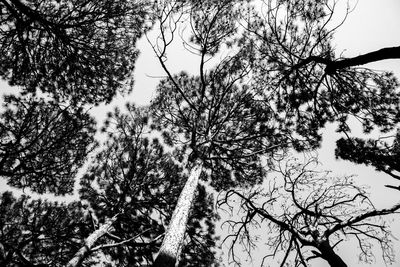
pixel 372 25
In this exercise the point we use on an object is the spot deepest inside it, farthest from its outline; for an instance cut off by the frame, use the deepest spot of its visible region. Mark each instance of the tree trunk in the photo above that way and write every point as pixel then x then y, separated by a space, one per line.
pixel 84 251
pixel 173 241
pixel 328 254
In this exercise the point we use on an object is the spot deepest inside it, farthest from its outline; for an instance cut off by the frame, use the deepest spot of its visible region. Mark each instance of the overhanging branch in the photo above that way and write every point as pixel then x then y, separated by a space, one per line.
pixel 333 65
pixel 361 217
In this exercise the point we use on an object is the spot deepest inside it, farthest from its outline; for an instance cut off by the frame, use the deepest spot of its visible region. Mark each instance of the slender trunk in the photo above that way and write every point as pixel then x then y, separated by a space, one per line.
pixel 328 254
pixel 84 251
pixel 172 244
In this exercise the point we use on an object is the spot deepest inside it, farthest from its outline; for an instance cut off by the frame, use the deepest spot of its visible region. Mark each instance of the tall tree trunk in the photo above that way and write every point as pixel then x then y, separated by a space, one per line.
pixel 328 254
pixel 84 251
pixel 173 241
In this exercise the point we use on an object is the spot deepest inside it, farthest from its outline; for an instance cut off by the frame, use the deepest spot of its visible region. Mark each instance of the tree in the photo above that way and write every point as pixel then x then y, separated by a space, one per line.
pixel 383 155
pixel 132 187
pixel 39 232
pixel 279 85
pixel 307 216
pixel 214 116
pixel 299 73
pixel 84 50
pixel 43 143
pixel 126 200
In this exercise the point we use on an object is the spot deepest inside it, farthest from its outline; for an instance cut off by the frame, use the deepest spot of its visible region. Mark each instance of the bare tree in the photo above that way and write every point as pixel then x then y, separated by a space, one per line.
pixel 306 215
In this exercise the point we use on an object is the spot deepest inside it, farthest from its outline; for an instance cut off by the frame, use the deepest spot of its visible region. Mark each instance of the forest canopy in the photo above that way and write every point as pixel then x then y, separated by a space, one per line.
pixel 222 160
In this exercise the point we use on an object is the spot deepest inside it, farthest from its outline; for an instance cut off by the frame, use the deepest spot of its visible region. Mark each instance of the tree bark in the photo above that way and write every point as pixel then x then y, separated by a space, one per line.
pixel 84 251
pixel 328 254
pixel 174 237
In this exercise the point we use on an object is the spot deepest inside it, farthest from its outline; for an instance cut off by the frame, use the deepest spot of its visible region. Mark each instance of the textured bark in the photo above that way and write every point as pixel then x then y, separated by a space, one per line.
pixel 172 244
pixel 328 254
pixel 84 251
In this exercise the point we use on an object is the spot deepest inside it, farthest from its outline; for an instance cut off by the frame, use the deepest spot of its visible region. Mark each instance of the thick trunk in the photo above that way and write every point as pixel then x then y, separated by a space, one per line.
pixel 328 254
pixel 172 244
pixel 84 251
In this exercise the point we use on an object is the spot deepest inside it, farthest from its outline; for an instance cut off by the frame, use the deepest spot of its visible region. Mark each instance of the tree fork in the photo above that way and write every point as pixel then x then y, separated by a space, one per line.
pixel 84 251
pixel 328 254
pixel 171 246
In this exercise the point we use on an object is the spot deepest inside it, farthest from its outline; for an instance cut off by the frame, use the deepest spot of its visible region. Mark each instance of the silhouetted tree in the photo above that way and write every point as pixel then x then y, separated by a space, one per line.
pixel 38 232
pixel 383 155
pixel 279 85
pixel 83 50
pixel 128 194
pixel 132 187
pixel 296 67
pixel 213 117
pixel 43 143
pixel 307 215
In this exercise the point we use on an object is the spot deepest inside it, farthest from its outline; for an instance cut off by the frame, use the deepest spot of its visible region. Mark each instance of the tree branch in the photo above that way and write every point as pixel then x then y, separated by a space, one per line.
pixel 361 217
pixel 381 54
pixel 333 65
pixel 104 246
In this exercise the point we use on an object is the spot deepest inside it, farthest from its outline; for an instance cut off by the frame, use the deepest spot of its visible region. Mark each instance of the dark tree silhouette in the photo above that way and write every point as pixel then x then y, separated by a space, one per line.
pixel 307 216
pixel 43 144
pixel 383 155
pixel 214 116
pixel 127 196
pixel 132 186
pixel 278 86
pixel 83 50
pixel 39 233
pixel 303 77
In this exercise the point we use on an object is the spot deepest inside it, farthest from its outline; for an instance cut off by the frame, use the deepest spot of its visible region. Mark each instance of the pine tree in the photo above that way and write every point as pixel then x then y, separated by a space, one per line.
pixel 43 143
pixel 39 232
pixel 132 186
pixel 80 50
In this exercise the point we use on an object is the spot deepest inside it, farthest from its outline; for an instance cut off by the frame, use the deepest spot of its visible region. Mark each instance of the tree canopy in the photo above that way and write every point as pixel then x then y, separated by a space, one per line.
pixel 84 50
pixel 43 143
pixel 383 155
pixel 281 56
pixel 39 232
pixel 134 177
pixel 298 70
pixel 221 127
pixel 267 80
pixel 134 183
